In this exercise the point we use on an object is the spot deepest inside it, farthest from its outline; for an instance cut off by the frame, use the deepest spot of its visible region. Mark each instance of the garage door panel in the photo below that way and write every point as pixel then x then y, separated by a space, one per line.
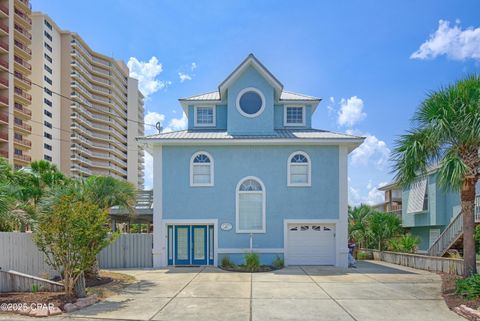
pixel 312 244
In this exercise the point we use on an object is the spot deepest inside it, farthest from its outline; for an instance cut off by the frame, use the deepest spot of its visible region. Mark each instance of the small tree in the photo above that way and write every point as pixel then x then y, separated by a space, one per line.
pixel 383 226
pixel 71 233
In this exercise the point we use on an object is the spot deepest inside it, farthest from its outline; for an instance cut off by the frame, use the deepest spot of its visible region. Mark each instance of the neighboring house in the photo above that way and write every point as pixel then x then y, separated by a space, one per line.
pixel 432 213
pixel 250 173
pixel 392 200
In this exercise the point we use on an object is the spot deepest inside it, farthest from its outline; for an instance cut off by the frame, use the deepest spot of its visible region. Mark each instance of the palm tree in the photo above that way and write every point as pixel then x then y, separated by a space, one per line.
pixel 383 226
pixel 107 192
pixel 446 133
pixel 357 224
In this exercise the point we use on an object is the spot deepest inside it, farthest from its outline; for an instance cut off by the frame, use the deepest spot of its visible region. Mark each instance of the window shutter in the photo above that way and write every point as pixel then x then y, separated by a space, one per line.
pixel 416 196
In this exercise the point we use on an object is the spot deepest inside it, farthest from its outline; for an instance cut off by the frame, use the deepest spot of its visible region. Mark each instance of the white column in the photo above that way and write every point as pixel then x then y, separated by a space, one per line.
pixel 341 230
pixel 159 231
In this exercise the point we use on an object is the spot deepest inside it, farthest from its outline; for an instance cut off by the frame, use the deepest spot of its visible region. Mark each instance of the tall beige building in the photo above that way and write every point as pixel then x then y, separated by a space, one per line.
pixel 91 128
pixel 15 70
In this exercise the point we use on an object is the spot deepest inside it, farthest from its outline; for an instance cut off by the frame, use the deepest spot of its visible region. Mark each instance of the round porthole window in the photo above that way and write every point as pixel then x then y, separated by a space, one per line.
pixel 250 102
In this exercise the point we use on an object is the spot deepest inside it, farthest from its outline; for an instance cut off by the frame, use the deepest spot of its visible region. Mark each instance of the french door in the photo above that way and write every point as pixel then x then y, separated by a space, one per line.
pixel 190 244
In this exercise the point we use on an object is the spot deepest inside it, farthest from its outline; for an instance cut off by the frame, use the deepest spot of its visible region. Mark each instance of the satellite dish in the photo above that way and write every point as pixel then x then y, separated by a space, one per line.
pixel 158 125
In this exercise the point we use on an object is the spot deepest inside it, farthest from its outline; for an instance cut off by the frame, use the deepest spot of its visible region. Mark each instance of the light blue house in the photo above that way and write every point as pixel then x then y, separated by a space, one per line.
pixel 250 174
pixel 434 215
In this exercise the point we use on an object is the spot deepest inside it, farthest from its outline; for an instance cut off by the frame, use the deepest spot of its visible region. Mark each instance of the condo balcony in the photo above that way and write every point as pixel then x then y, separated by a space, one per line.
pixel 22 158
pixel 19 125
pixel 4 136
pixel 3 153
pixel 4 29
pixel 3 10
pixel 4 64
pixel 22 111
pixel 3 101
pixel 22 81
pixel 23 34
pixel 4 118
pixel 3 47
pixel 23 18
pixel 24 5
pixel 23 96
pixel 25 143
pixel 22 50
pixel 23 65
pixel 3 83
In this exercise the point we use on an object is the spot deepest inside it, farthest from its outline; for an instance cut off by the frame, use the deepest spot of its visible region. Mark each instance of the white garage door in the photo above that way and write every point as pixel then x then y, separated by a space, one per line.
pixel 311 244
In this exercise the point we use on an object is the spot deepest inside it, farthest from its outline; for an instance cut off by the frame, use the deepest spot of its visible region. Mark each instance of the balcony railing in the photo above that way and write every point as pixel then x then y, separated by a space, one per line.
pixel 24 126
pixel 4 27
pixel 22 109
pixel 24 158
pixel 4 100
pixel 23 16
pixel 23 47
pixel 23 63
pixel 4 81
pixel 4 117
pixel 23 32
pixel 24 142
pixel 4 45
pixel 4 9
pixel 4 153
pixel 4 63
pixel 23 94
pixel 22 78
pixel 4 136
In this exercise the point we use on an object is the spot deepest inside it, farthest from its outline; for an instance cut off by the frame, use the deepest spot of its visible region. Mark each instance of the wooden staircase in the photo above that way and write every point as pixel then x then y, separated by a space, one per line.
pixel 452 236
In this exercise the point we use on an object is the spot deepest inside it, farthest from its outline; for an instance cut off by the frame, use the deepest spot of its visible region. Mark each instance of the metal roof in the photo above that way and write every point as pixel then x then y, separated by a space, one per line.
pixel 223 135
pixel 285 95
pixel 143 205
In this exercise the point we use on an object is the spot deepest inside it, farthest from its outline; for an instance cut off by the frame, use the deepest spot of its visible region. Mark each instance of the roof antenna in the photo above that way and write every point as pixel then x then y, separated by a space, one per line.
pixel 158 125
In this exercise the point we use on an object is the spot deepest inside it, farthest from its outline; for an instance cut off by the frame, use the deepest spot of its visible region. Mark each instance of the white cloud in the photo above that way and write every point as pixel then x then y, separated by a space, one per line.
pixel 351 111
pixel 193 66
pixel 372 151
pixel 371 197
pixel 176 124
pixel 183 76
pixel 151 118
pixel 147 73
pixel 453 42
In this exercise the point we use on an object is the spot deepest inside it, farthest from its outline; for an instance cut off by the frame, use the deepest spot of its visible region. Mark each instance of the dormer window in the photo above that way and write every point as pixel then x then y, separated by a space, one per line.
pixel 294 116
pixel 250 102
pixel 204 116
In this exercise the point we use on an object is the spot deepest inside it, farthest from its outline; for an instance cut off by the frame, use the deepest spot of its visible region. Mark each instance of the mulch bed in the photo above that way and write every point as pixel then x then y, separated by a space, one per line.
pixel 101 280
pixel 59 299
pixel 452 299
pixel 241 268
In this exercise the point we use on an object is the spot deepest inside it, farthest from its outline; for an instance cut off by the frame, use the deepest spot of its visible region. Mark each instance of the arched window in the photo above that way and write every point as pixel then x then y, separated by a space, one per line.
pixel 299 169
pixel 201 169
pixel 250 211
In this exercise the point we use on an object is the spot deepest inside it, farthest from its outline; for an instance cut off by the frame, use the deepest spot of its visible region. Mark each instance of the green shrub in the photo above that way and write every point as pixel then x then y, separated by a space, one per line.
pixel 226 262
pixel 278 263
pixel 252 262
pixel 406 243
pixel 35 288
pixel 469 287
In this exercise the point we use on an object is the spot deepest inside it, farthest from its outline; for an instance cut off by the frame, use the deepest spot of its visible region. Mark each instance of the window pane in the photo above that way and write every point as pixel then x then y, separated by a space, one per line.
pixel 299 169
pixel 199 244
pixel 294 115
pixel 201 174
pixel 299 179
pixel 201 169
pixel 204 115
pixel 182 243
pixel 201 179
pixel 250 211
pixel 250 185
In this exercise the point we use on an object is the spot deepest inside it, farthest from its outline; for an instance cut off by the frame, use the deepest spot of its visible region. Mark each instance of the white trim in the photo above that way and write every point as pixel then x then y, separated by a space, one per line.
pixel 212 169
pixel 264 198
pixel 287 222
pixel 309 171
pixel 196 124
pixel 262 97
pixel 247 250
pixel 213 221
pixel 342 228
pixel 159 250
pixel 304 115
pixel 355 142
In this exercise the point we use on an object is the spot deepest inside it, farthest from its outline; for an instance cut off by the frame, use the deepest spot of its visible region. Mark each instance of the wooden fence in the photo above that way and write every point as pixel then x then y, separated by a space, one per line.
pixel 19 282
pixel 419 261
pixel 18 252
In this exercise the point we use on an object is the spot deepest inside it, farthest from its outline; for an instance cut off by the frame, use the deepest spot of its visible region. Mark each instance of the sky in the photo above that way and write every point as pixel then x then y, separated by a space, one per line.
pixel 371 62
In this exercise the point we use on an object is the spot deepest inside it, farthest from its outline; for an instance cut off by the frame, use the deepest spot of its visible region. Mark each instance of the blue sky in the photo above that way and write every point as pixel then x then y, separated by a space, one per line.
pixel 371 62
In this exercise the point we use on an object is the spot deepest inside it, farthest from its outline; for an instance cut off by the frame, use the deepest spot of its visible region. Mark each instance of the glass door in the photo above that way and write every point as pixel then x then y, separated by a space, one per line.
pixel 199 245
pixel 182 245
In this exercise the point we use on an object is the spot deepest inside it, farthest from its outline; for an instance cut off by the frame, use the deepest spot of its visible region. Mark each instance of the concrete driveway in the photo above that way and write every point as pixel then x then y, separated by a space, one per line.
pixel 374 291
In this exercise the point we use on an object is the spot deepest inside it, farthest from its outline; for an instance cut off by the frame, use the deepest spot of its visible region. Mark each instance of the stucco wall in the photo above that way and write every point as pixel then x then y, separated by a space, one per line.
pixel 269 164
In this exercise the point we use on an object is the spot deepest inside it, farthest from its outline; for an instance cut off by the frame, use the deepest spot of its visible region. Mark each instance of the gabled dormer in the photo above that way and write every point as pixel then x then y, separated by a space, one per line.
pixel 250 101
